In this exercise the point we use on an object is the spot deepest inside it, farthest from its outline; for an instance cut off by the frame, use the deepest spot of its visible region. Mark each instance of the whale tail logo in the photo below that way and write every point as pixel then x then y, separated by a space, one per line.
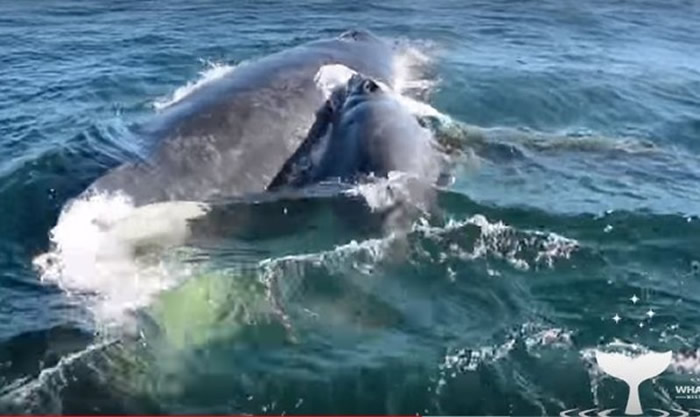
pixel 633 371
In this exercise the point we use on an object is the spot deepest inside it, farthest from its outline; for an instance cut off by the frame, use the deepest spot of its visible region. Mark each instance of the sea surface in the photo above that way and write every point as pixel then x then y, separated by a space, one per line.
pixel 575 202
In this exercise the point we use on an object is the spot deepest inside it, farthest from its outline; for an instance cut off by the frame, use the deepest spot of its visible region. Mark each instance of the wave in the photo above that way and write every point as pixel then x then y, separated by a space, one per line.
pixel 457 135
pixel 530 336
pixel 522 249
pixel 95 245
pixel 281 296
pixel 541 341
pixel 26 394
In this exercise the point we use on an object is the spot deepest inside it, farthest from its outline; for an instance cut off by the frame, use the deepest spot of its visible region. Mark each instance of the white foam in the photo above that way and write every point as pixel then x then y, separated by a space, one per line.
pixel 372 250
pixel 24 392
pixel 550 337
pixel 383 193
pixel 409 68
pixel 534 337
pixel 280 275
pixel 213 72
pixel 92 252
pixel 500 240
pixel 488 243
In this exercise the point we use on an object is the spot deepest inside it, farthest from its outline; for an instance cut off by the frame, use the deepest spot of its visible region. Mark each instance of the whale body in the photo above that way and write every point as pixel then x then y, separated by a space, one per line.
pixel 232 136
pixel 363 130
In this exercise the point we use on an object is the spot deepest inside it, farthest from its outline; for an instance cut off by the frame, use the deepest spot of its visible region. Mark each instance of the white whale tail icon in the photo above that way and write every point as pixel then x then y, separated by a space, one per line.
pixel 633 371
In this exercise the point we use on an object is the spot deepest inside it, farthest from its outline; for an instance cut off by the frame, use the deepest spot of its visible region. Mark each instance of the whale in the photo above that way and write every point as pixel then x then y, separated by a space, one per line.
pixel 363 130
pixel 362 133
pixel 366 136
pixel 232 136
pixel 237 139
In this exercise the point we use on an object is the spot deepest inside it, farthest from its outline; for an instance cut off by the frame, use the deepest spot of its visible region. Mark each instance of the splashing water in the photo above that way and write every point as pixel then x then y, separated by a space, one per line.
pixel 410 80
pixel 93 256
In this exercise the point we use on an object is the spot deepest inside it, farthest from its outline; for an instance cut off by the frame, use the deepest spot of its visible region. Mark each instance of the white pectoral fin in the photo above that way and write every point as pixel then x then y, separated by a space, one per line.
pixel 156 225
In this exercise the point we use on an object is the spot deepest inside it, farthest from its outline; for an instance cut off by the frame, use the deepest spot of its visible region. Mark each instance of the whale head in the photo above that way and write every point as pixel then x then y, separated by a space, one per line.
pixel 363 129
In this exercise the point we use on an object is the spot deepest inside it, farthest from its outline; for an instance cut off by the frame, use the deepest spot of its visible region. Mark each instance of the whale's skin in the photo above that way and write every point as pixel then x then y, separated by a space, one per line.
pixel 362 130
pixel 232 136
pixel 365 133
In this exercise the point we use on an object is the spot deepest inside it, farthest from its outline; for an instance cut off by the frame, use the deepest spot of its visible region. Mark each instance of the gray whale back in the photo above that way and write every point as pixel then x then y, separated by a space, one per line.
pixel 233 135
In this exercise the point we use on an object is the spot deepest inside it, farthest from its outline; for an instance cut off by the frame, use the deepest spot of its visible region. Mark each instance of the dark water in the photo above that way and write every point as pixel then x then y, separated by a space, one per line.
pixel 578 191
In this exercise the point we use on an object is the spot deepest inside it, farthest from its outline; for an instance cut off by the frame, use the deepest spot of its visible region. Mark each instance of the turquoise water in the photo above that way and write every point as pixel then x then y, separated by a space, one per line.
pixel 576 189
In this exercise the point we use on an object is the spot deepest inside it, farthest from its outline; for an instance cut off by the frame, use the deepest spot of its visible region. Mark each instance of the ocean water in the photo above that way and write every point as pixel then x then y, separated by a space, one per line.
pixel 575 201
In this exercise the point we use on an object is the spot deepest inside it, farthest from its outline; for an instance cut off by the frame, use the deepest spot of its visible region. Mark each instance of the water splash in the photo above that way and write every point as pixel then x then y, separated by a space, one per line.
pixel 686 363
pixel 411 67
pixel 522 249
pixel 411 80
pixel 93 256
pixel 383 193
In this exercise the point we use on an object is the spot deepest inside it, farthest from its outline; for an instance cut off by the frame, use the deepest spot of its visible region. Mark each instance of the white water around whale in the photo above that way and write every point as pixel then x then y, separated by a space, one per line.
pixel 92 255
pixel 330 77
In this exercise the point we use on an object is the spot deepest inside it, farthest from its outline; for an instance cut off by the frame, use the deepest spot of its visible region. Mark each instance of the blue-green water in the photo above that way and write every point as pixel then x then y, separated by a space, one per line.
pixel 577 190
